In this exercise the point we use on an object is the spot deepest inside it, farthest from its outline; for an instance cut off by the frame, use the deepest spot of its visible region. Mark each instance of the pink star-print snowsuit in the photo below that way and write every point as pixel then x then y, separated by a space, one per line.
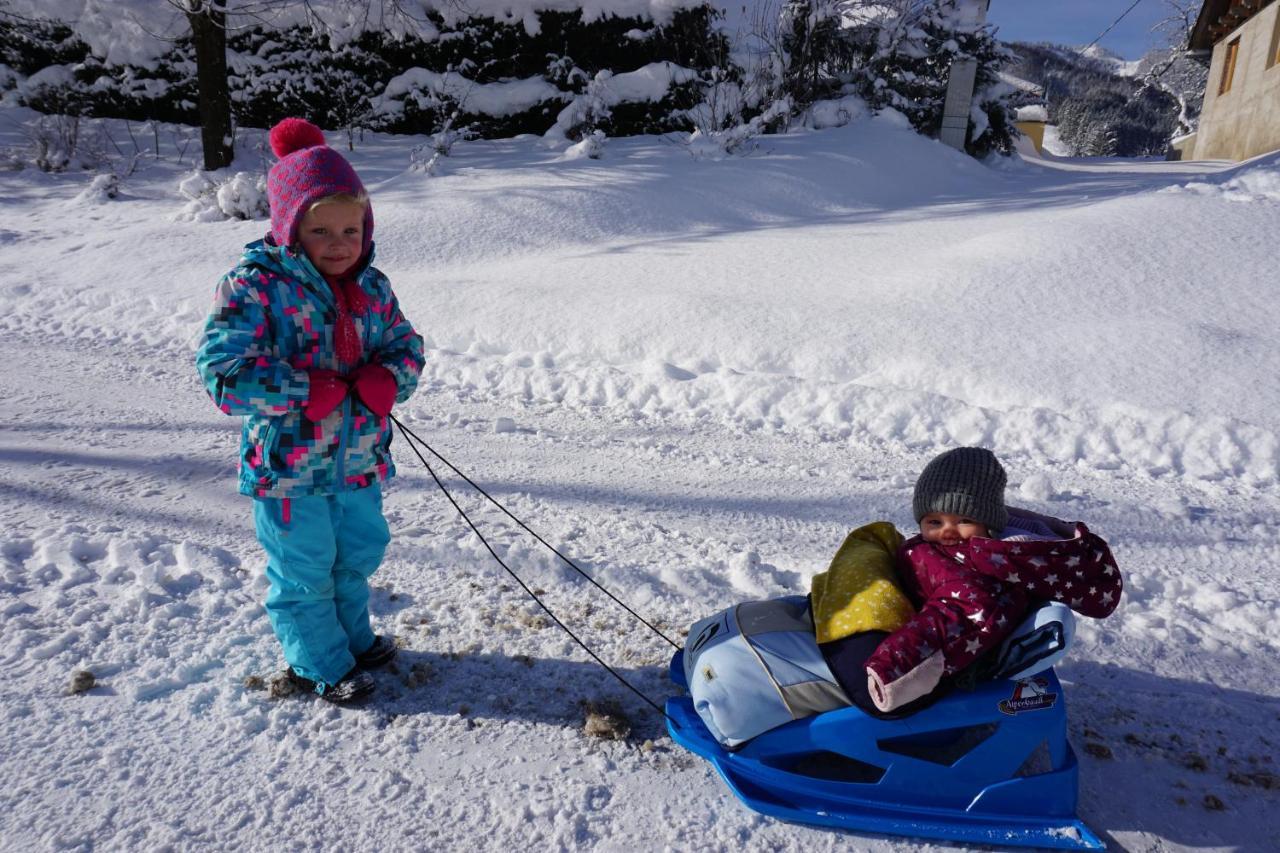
pixel 973 594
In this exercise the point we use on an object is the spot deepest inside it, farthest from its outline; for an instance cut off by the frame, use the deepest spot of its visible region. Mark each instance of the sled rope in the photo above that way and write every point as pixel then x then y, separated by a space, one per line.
pixel 410 433
pixel 404 431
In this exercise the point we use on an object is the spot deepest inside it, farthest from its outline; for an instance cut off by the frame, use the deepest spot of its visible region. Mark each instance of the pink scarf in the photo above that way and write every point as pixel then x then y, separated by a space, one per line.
pixel 351 301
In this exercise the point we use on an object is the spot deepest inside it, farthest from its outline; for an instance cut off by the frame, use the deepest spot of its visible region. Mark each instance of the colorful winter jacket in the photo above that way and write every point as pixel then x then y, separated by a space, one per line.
pixel 973 594
pixel 272 320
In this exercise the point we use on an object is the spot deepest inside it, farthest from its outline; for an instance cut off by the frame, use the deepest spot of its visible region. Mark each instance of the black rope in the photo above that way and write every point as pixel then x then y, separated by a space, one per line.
pixel 410 433
pixel 406 433
pixel 1111 27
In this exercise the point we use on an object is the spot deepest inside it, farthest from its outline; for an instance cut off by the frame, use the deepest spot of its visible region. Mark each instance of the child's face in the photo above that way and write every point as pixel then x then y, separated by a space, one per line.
pixel 945 529
pixel 332 235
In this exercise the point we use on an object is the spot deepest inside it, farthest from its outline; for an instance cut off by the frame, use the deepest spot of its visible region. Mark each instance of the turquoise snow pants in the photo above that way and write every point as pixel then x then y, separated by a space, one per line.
pixel 320 553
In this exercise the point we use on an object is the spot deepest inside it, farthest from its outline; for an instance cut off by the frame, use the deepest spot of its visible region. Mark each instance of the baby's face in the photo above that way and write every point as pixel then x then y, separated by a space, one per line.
pixel 943 528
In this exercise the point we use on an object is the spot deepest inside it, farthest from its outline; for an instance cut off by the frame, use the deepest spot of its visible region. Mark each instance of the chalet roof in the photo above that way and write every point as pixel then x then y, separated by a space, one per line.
pixel 1219 17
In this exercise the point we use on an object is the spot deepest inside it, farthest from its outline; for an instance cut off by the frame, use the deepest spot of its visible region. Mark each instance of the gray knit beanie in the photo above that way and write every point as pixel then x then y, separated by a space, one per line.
pixel 966 481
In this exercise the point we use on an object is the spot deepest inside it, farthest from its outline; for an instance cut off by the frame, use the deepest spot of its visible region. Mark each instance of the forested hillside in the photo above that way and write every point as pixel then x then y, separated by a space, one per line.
pixel 1106 107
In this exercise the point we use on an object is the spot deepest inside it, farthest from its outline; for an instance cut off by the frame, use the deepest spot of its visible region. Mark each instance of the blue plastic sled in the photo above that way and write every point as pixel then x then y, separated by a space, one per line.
pixel 988 767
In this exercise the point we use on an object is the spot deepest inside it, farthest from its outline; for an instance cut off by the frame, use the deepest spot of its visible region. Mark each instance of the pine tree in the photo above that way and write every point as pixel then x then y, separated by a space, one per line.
pixel 908 64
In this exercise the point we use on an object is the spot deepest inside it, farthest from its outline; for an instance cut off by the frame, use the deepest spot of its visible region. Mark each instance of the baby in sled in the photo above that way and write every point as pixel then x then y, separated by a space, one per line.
pixel 894 623
pixel 963 583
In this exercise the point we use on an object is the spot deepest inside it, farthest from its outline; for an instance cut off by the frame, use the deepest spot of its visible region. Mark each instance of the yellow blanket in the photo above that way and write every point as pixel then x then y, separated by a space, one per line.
pixel 859 591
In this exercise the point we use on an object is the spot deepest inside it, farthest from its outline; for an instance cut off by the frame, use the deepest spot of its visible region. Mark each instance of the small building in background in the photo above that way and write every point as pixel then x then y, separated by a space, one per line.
pixel 1241 114
pixel 1031 120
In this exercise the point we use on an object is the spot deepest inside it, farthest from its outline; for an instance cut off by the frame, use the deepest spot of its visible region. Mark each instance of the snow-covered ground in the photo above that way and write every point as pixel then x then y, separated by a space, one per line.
pixel 712 369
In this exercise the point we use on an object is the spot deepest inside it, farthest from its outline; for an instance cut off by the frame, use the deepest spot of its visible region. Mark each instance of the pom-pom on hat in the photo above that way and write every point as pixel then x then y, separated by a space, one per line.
pixel 308 171
pixel 966 481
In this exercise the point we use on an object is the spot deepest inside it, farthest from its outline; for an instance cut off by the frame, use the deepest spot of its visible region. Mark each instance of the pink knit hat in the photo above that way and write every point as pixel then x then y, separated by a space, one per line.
pixel 308 171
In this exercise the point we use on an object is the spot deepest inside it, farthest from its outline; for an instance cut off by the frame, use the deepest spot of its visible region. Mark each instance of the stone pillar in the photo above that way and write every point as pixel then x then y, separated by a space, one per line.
pixel 955 110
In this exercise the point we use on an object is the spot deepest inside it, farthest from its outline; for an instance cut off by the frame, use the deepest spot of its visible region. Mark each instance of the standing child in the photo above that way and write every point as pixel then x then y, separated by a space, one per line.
pixel 306 341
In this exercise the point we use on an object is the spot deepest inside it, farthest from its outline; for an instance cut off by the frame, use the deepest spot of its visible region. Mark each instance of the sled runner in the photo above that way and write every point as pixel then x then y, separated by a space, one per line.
pixel 992 766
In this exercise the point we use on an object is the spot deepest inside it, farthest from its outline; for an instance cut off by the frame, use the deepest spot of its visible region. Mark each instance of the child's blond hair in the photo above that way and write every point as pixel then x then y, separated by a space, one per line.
pixel 360 198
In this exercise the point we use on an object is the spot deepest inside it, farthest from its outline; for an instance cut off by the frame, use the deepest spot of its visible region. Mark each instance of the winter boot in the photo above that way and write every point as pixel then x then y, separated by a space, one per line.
pixel 351 688
pixel 384 648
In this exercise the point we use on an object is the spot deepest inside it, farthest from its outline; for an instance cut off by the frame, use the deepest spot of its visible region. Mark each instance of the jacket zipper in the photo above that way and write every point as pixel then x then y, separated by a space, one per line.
pixel 342 442
pixel 348 406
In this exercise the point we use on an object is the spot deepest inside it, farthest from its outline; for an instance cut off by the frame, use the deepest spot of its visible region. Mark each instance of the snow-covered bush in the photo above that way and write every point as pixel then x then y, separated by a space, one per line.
pixel 213 197
pixel 566 68
pixel 101 189
pixel 590 146
pixel 426 158
pixel 298 72
pixel 834 112
pixel 59 143
pixel 817 52
pixel 501 73
pixel 740 138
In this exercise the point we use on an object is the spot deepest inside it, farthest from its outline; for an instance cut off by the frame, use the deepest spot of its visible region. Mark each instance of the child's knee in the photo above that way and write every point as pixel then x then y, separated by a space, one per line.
pixel 299 583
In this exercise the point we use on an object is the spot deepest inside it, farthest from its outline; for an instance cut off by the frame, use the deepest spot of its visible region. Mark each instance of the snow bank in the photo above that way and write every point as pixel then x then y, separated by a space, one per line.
pixel 1257 180
pixel 691 376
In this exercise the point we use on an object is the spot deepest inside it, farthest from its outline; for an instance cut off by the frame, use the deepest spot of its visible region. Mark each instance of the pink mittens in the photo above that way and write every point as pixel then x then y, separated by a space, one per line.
pixel 328 389
pixel 376 387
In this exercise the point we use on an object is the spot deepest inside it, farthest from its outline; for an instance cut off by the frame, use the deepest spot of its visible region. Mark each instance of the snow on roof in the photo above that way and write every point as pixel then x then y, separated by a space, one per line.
pixel 1033 112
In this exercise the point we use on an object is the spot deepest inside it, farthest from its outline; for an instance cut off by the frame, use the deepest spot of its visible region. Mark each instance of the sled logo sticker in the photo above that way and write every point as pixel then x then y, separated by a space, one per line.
pixel 705 637
pixel 1030 694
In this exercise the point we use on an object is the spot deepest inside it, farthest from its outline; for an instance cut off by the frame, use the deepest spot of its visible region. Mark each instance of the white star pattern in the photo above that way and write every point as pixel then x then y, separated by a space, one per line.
pixel 972 646
pixel 998 560
pixel 977 617
pixel 1001 621
pixel 1013 578
pixel 1106 598
pixel 1072 562
pixel 1109 570
pixel 1038 562
pixel 1076 602
pixel 1051 578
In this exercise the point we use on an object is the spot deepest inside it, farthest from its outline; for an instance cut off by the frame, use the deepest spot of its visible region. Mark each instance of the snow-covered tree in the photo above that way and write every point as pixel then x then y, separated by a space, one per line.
pixel 1174 68
pixel 910 47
